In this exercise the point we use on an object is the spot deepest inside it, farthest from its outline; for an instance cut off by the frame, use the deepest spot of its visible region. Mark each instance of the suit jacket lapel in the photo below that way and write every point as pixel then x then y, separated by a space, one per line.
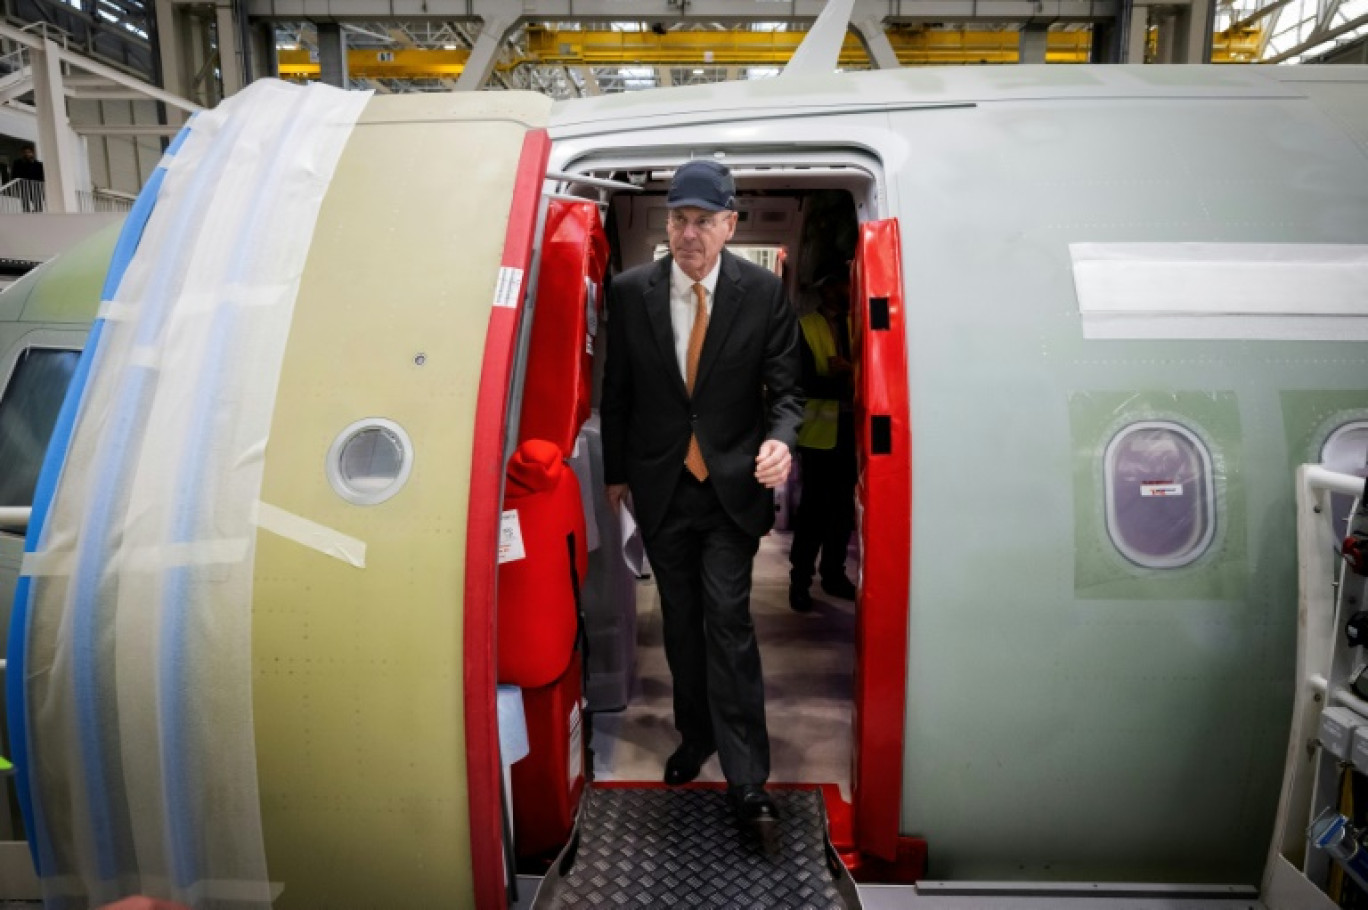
pixel 658 315
pixel 726 302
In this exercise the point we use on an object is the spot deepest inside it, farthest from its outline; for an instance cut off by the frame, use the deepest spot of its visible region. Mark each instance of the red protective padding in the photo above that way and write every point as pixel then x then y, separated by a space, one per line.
pixel 560 364
pixel 547 783
pixel 884 442
pixel 483 770
pixel 537 612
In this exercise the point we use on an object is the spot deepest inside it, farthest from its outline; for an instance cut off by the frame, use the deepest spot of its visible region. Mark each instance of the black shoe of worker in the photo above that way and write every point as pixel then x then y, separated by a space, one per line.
pixel 800 599
pixel 839 586
pixel 685 764
pixel 756 813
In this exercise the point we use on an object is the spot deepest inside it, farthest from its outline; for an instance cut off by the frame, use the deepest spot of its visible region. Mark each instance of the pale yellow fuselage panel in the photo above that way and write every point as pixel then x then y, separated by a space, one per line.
pixel 358 671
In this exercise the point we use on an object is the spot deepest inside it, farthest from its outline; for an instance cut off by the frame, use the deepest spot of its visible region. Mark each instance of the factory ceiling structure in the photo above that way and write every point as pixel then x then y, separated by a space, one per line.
pixel 570 48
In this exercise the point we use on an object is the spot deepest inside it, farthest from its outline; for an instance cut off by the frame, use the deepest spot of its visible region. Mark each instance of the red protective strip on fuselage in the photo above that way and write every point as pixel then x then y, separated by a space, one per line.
pixel 483 774
pixel 885 495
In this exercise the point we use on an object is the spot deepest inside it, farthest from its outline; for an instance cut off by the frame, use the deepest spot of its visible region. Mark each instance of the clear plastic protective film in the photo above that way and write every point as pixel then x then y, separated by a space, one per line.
pixel 1152 478
pixel 141 752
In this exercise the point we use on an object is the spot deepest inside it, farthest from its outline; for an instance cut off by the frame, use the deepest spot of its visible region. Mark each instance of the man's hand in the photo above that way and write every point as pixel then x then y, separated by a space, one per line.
pixel 616 493
pixel 773 463
pixel 839 366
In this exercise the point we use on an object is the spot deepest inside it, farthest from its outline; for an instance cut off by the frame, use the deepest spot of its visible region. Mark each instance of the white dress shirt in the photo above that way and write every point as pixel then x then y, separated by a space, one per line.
pixel 682 306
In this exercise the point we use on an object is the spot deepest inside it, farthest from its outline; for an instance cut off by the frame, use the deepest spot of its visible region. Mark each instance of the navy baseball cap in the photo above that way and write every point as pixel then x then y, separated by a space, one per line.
pixel 704 184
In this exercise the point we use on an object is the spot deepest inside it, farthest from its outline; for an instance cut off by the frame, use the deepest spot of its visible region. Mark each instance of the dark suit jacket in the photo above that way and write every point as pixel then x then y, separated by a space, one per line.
pixel 746 390
pixel 27 170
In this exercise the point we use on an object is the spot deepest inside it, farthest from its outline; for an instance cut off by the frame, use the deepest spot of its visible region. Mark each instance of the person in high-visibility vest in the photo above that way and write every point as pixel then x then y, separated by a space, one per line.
pixel 826 447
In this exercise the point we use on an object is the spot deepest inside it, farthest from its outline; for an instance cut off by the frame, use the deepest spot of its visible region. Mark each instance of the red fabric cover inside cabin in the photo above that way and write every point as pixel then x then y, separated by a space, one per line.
pixel 560 367
pixel 547 783
pixel 536 624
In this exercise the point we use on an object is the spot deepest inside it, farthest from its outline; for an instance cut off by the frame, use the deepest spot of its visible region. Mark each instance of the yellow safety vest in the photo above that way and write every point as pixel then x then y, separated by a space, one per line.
pixel 820 415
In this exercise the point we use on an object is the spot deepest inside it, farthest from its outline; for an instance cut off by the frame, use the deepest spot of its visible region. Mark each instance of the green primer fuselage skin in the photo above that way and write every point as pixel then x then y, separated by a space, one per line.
pixel 1071 715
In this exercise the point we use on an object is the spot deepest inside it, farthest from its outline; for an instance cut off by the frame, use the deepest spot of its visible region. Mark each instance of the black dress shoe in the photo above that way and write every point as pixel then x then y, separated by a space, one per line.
pixel 839 586
pixel 685 764
pixel 757 814
pixel 800 599
pixel 752 804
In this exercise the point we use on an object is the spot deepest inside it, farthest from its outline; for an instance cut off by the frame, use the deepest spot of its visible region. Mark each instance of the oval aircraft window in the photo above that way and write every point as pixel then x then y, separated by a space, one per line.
pixel 1346 451
pixel 370 461
pixel 1160 494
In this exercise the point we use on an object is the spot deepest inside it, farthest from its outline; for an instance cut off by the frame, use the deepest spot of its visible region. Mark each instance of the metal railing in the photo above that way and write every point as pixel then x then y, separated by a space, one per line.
pixel 93 201
pixel 20 196
pixel 13 61
pixel 1293 876
pixel 15 518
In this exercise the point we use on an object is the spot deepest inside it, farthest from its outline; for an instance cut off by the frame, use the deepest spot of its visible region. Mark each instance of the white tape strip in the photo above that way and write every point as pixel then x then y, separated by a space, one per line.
pixel 1248 291
pixel 51 563
pixel 148 356
pixel 118 311
pixel 311 534
pixel 192 553
pixel 47 563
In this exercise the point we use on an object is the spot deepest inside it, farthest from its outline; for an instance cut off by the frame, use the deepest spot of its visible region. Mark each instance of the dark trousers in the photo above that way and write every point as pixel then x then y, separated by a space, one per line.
pixel 826 513
pixel 702 563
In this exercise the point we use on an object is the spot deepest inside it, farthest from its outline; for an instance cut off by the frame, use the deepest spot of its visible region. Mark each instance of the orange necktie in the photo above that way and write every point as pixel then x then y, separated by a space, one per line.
pixel 693 460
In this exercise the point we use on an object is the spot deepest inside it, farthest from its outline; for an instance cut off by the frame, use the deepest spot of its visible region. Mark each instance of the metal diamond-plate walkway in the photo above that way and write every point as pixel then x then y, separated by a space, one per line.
pixel 654 848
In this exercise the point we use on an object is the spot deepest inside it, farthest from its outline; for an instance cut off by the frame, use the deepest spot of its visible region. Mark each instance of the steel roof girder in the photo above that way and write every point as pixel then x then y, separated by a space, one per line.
pixel 923 11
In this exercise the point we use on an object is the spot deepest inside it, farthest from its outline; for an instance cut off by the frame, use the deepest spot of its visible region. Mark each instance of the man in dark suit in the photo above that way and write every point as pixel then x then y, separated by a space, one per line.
pixel 28 167
pixel 701 409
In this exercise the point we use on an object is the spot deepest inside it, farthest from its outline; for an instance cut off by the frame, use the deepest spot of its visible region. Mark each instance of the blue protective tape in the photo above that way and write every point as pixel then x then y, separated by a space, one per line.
pixel 127 413
pixel 181 793
pixel 16 690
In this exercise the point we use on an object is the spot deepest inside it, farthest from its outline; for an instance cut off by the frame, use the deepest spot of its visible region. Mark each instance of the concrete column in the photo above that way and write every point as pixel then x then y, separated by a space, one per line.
pixel 232 69
pixel 201 56
pixel 485 54
pixel 57 147
pixel 170 46
pixel 1137 35
pixel 1193 25
pixel 591 83
pixel 332 54
pixel 264 62
pixel 1034 41
pixel 1165 47
pixel 875 41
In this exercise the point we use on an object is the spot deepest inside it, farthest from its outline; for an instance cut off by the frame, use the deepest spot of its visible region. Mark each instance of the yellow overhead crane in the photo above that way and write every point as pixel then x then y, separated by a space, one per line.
pixel 549 47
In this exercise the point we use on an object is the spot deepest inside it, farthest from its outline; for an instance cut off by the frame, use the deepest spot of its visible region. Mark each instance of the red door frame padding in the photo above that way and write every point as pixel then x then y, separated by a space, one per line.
pixel 559 385
pixel 484 779
pixel 884 443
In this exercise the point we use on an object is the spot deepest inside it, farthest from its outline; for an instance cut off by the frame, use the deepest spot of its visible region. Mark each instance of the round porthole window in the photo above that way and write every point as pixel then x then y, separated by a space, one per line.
pixel 370 461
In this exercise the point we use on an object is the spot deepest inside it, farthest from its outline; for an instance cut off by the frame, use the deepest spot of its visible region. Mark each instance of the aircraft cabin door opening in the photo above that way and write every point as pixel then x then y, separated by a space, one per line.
pixel 808 218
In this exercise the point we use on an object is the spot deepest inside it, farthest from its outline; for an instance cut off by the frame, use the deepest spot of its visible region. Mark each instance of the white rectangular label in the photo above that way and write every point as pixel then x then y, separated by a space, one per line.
pixel 510 538
pixel 576 762
pixel 1161 488
pixel 509 289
